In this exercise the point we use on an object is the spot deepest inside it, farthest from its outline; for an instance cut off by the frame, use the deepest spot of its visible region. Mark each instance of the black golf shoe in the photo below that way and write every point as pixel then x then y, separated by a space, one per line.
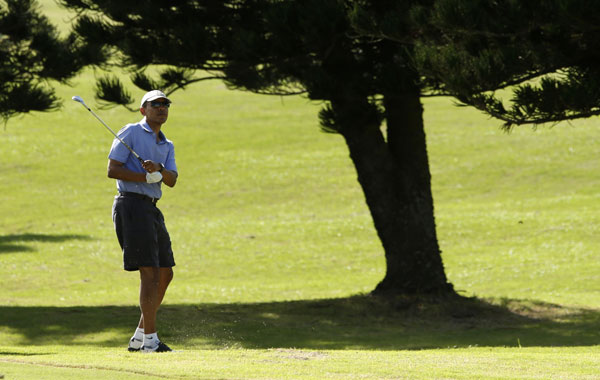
pixel 161 347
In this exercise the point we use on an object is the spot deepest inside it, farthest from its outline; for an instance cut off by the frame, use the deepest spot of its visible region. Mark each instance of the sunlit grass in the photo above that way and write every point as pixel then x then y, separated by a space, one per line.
pixel 276 249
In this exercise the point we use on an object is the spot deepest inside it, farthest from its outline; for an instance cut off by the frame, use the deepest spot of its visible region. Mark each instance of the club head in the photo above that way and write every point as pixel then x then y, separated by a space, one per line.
pixel 78 98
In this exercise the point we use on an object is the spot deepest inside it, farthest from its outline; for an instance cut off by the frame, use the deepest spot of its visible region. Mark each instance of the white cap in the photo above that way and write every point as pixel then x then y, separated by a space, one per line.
pixel 153 95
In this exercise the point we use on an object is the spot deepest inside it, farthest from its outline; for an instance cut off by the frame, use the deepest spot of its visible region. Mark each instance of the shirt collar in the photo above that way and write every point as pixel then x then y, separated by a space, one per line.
pixel 146 127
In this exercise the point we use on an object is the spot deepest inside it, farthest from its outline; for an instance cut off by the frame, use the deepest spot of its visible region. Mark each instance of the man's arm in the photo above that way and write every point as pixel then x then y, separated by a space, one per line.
pixel 169 176
pixel 117 170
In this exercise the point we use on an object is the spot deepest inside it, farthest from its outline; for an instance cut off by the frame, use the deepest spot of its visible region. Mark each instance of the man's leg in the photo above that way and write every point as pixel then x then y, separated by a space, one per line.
pixel 154 284
pixel 165 277
pixel 149 297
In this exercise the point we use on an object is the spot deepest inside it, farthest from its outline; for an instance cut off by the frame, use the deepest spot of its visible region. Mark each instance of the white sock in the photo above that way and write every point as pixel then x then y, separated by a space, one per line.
pixel 139 334
pixel 137 339
pixel 151 340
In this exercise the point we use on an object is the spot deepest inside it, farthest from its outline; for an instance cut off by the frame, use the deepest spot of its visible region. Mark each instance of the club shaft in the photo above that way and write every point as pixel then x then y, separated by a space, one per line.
pixel 114 134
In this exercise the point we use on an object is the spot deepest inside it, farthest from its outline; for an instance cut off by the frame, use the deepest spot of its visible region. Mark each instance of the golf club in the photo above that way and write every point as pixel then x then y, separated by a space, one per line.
pixel 80 100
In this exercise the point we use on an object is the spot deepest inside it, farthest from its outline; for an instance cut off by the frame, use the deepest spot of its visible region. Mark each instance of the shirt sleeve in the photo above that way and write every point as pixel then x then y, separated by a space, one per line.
pixel 118 151
pixel 170 162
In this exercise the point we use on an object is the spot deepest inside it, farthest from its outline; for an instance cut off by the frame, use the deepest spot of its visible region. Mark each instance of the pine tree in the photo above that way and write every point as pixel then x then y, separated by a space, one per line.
pixel 31 53
pixel 543 53
pixel 298 47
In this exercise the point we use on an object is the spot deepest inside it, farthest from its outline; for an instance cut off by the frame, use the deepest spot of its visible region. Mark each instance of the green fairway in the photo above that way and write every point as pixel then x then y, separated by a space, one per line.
pixel 276 251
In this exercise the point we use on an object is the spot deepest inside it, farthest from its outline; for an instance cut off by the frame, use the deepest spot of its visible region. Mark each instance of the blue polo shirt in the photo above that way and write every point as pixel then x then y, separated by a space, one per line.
pixel 142 140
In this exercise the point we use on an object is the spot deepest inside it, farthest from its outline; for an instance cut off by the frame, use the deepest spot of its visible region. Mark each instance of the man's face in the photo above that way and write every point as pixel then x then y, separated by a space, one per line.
pixel 156 111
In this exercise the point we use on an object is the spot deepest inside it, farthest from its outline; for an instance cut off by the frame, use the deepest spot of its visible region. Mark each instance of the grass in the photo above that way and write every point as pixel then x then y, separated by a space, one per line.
pixel 276 250
pixel 474 363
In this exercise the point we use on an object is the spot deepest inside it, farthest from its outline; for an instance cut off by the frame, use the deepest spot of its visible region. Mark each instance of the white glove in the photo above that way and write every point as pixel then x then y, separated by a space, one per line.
pixel 153 177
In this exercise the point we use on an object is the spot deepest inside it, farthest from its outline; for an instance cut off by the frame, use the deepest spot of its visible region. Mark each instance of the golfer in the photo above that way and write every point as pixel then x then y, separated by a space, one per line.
pixel 139 224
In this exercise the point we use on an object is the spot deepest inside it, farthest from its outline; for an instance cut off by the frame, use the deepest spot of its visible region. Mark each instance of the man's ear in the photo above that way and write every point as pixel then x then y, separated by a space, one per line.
pixel 143 111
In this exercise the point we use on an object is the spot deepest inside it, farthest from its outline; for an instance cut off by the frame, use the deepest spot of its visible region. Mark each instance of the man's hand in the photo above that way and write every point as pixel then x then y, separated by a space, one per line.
pixel 151 166
pixel 153 177
pixel 168 177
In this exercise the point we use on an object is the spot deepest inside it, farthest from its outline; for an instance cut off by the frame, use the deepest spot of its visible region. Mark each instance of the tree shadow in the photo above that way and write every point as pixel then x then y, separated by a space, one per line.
pixel 358 322
pixel 13 353
pixel 18 242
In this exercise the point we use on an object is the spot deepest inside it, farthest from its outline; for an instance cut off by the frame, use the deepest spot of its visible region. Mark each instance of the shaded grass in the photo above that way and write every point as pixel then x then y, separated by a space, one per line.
pixel 354 323
pixel 19 242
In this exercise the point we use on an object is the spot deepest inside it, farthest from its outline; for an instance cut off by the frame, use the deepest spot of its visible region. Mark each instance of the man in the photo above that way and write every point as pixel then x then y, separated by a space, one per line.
pixel 138 222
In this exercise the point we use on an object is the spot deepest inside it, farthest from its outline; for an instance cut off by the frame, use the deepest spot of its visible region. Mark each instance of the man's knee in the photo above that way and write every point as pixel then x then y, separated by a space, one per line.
pixel 149 275
pixel 166 275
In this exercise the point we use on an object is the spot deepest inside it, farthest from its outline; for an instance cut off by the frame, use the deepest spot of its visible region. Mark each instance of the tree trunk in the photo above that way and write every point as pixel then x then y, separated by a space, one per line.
pixel 395 178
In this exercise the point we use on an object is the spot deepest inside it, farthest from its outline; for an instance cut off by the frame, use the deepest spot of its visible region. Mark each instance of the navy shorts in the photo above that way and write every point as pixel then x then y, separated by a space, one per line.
pixel 142 233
